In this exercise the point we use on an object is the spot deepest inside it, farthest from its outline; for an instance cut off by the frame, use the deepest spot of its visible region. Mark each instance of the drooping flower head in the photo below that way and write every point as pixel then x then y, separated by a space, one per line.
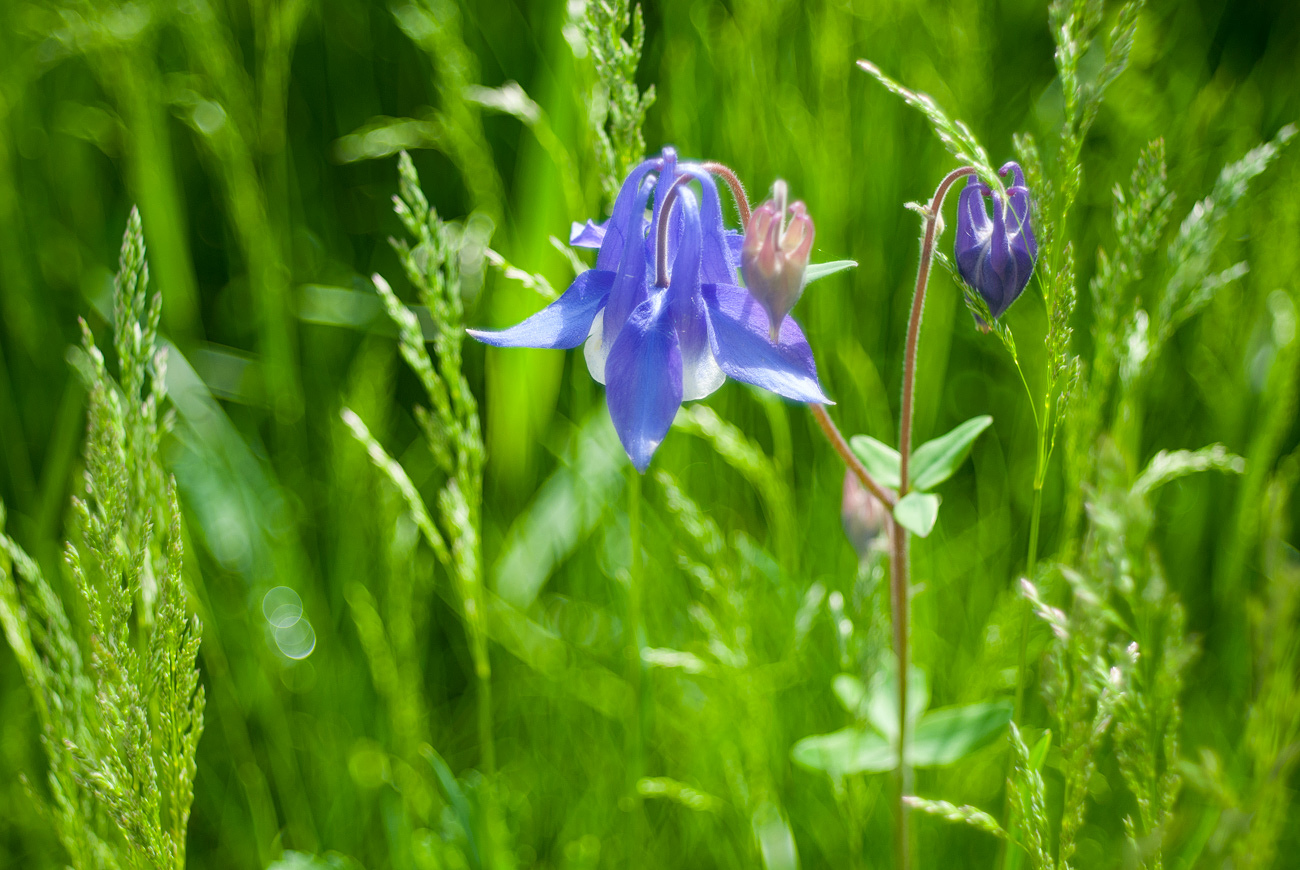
pixel 664 327
pixel 996 257
pixel 775 254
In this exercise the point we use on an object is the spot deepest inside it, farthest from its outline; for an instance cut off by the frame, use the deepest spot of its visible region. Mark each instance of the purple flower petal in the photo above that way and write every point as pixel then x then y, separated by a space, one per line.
pixel 588 235
pixel 562 324
pixel 630 282
pixel 644 384
pixel 973 228
pixel 999 260
pixel 718 266
pixel 996 257
pixel 685 275
pixel 738 333
pixel 700 373
pixel 628 218
pixel 1018 199
pixel 667 174
pixel 1017 174
pixel 735 244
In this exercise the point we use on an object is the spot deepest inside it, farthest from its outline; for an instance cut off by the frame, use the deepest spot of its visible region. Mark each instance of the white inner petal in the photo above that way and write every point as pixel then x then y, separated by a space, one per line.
pixel 594 350
pixel 701 376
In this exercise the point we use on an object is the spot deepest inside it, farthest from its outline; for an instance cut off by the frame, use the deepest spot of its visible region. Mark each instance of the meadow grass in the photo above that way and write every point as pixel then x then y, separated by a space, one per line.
pixel 293 575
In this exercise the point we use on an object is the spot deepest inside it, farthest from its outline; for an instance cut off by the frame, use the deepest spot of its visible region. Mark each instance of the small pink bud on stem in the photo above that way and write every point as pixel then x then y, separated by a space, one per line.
pixel 775 254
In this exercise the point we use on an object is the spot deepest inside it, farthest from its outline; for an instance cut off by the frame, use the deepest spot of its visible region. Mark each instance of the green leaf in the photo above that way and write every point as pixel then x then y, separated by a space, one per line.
pixel 880 459
pixel 941 737
pixel 304 861
pixel 882 706
pixel 775 839
pixel 936 461
pixel 917 512
pixel 950 733
pixel 850 691
pixel 1039 754
pixel 847 751
pixel 456 797
pixel 821 270
pixel 1166 466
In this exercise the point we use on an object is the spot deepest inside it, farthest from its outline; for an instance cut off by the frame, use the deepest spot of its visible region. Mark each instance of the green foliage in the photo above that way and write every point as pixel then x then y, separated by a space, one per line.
pixel 119 701
pixel 450 426
pixel 436 27
pixel 484 687
pixel 616 106
pixel 938 737
pixel 954 134
pixel 939 458
pixel 825 270
pixel 932 463
pixel 1192 283
pixel 1027 796
pixel 966 815
pixel 917 512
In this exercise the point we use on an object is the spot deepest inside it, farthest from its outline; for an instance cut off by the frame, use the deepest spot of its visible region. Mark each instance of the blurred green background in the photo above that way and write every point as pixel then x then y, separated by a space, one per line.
pixel 253 137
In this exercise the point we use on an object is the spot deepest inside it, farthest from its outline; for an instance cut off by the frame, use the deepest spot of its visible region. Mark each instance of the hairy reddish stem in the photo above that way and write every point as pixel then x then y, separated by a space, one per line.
pixel 850 459
pixel 661 245
pixel 737 190
pixel 898 567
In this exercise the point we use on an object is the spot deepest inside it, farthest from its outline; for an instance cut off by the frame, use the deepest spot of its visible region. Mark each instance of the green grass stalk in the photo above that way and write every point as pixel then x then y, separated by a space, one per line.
pixel 635 639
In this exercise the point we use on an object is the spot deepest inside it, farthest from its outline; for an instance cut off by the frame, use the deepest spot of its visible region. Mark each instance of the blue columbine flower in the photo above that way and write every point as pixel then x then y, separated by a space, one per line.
pixel 655 340
pixel 996 257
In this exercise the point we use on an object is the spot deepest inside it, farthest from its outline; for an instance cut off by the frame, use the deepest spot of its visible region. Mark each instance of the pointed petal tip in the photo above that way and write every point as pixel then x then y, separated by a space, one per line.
pixel 562 324
pixel 739 337
pixel 643 388
pixel 641 461
pixel 587 235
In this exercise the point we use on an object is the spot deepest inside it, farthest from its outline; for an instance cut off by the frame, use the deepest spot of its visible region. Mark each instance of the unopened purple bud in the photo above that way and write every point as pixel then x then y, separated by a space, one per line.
pixel 775 255
pixel 996 257
pixel 862 515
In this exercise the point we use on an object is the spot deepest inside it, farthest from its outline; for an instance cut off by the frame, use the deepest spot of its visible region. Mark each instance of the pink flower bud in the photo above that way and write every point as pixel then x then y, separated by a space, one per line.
pixel 775 254
pixel 862 515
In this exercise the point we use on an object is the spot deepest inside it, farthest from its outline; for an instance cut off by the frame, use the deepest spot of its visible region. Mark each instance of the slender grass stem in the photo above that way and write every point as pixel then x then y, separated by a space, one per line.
pixel 898 594
pixel 487 743
pixel 1023 659
pixel 1010 857
pixel 635 641
pixel 1031 561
